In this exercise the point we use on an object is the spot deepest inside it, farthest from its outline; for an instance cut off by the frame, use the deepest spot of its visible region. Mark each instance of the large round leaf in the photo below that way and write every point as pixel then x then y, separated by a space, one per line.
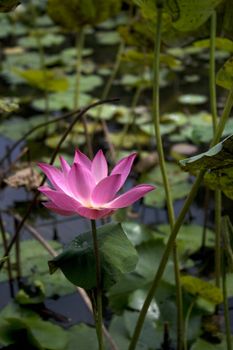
pixel 117 256
pixel 78 13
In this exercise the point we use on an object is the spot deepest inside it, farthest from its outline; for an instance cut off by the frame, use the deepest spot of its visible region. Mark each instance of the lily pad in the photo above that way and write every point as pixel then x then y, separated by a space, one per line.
pixel 49 80
pixel 192 99
pixel 201 288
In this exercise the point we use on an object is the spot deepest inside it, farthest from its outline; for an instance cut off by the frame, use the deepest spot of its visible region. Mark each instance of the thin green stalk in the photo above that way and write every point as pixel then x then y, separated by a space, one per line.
pixel 187 318
pixel 41 58
pixel 156 120
pixel 178 223
pixel 98 309
pixel 226 309
pixel 80 38
pixel 213 105
pixel 218 212
pixel 105 93
pixel 132 121
pixel 212 84
pixel 171 215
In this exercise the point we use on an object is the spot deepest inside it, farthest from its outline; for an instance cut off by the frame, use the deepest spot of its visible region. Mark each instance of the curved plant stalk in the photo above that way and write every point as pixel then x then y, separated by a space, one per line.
pixel 4 243
pixel 227 265
pixel 42 60
pixel 213 106
pixel 98 309
pixel 32 130
pixel 178 223
pixel 36 234
pixel 105 94
pixel 80 38
pixel 79 44
pixel 226 309
pixel 169 202
pixel 187 318
pixel 34 200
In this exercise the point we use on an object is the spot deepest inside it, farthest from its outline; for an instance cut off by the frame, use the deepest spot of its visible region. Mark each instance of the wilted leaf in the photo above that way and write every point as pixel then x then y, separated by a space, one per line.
pixel 27 177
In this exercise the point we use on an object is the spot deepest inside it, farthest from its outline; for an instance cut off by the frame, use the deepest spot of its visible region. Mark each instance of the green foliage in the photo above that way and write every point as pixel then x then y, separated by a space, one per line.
pixel 218 162
pixel 79 13
pixel 202 344
pixel 49 80
pixel 9 104
pixel 77 262
pixel 39 334
pixel 178 180
pixel 225 75
pixel 190 15
pixel 203 289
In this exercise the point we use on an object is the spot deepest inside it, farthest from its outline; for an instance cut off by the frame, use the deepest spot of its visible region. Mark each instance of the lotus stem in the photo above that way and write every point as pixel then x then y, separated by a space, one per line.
pixel 187 318
pixel 178 223
pixel 80 38
pixel 169 202
pixel 171 215
pixel 98 308
pixel 226 309
pixel 213 106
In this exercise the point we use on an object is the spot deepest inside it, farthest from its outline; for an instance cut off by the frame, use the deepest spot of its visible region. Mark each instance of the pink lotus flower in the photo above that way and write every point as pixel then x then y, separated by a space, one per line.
pixel 86 189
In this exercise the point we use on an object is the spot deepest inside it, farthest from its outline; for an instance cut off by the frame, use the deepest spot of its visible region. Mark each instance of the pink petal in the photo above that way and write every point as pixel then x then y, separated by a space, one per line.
pixel 99 166
pixel 106 189
pixel 64 165
pixel 82 159
pixel 94 214
pixel 123 167
pixel 54 175
pixel 60 199
pixel 130 196
pixel 81 182
pixel 56 209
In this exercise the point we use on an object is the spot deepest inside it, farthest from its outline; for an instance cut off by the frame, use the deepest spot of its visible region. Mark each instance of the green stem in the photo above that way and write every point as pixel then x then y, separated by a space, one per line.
pixel 218 211
pixel 80 38
pixel 213 105
pixel 212 84
pixel 187 318
pixel 105 93
pixel 40 48
pixel 226 309
pixel 79 49
pixel 171 215
pixel 156 121
pixel 178 223
pixel 98 309
pixel 132 121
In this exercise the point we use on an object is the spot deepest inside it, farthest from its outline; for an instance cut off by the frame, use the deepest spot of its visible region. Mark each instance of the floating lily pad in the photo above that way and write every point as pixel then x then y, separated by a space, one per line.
pixel 203 289
pixel 191 99
pixel 108 38
pixel 50 80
